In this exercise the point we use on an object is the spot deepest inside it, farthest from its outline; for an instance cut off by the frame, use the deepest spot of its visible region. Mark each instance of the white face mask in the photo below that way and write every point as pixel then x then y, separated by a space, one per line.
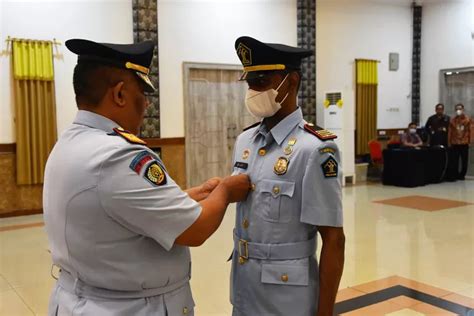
pixel 458 112
pixel 412 130
pixel 263 104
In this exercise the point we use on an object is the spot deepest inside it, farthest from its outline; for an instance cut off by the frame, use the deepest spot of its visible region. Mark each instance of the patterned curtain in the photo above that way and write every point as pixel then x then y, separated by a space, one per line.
pixel 366 104
pixel 306 20
pixel 35 108
pixel 145 27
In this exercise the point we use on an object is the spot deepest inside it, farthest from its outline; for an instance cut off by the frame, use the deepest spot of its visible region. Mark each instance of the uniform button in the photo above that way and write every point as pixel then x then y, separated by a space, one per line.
pixel 246 223
pixel 241 260
pixel 185 310
pixel 276 189
pixel 252 187
pixel 262 152
pixel 284 277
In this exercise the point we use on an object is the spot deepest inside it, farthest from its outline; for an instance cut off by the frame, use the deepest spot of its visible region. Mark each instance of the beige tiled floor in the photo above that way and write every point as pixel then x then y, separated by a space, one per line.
pixel 435 248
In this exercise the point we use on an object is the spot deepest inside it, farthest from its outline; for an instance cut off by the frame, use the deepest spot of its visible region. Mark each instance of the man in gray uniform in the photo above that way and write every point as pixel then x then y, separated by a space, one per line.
pixel 118 226
pixel 294 169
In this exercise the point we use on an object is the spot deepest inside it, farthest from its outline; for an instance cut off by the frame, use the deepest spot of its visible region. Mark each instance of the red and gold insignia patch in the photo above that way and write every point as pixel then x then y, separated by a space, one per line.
pixel 129 137
pixel 140 161
pixel 322 134
pixel 155 175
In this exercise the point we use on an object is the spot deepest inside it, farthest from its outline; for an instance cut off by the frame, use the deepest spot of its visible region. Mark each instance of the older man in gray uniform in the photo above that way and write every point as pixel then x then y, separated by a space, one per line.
pixel 296 193
pixel 118 226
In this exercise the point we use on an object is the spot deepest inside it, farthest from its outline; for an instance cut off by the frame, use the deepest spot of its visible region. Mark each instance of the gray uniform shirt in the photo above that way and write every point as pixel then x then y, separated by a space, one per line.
pixel 109 227
pixel 276 226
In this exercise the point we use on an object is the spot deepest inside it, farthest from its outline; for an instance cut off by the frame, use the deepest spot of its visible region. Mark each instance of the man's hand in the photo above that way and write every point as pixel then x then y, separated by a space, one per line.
pixel 209 186
pixel 201 192
pixel 219 194
pixel 237 187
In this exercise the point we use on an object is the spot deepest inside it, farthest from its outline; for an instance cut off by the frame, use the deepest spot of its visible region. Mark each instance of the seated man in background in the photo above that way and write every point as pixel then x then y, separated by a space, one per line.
pixel 411 138
pixel 437 127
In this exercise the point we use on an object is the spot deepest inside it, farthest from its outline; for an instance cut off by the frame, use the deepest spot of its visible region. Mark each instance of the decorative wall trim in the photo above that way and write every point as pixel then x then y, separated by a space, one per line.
pixel 8 148
pixel 306 20
pixel 416 63
pixel 159 142
pixel 21 213
pixel 145 28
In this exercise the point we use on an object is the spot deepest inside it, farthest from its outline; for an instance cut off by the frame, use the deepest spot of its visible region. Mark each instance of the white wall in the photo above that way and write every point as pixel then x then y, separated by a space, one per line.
pixel 347 30
pixel 99 20
pixel 446 42
pixel 472 31
pixel 205 31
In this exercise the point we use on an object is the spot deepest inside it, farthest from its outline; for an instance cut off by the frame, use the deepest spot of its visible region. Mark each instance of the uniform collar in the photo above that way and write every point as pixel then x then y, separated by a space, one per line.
pixel 94 120
pixel 285 126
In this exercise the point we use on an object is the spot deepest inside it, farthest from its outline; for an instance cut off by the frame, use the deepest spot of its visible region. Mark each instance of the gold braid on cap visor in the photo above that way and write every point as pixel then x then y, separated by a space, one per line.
pixel 139 68
pixel 264 67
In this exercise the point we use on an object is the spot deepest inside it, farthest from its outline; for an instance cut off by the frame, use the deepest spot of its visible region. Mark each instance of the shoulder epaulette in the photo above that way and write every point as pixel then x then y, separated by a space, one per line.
pixel 251 126
pixel 129 137
pixel 319 132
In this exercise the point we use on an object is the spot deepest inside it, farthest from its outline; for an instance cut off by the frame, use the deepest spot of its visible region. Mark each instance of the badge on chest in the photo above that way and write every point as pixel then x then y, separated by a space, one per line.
pixel 281 166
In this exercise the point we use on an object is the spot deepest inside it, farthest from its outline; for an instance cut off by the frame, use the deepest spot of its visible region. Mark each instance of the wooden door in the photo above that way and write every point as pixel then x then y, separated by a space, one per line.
pixel 215 115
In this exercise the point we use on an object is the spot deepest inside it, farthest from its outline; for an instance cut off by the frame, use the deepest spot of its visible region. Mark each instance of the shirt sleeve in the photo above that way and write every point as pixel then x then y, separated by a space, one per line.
pixel 428 125
pixel 136 191
pixel 321 191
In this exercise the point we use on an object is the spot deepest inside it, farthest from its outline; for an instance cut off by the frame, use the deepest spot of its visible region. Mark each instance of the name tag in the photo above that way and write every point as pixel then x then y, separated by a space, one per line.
pixel 241 165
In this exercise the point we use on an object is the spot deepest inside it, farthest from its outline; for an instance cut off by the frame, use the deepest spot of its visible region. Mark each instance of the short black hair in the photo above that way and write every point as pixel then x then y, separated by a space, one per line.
pixel 439 105
pixel 412 123
pixel 91 80
pixel 459 104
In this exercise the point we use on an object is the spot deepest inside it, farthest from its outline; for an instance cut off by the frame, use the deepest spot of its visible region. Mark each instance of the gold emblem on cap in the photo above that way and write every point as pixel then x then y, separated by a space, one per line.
pixel 281 166
pixel 146 79
pixel 246 154
pixel 245 54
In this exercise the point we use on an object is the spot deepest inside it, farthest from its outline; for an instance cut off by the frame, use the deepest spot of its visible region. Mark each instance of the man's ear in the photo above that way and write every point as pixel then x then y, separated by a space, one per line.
pixel 118 94
pixel 294 79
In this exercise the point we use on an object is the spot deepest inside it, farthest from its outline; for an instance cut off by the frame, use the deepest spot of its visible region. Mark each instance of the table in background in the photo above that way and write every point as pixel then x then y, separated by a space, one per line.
pixel 410 167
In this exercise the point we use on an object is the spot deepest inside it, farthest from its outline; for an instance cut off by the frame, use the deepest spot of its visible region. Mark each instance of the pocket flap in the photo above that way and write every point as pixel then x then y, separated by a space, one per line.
pixel 285 274
pixel 180 302
pixel 276 187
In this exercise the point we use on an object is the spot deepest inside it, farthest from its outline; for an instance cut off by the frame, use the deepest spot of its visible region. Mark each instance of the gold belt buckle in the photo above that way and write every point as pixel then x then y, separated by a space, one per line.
pixel 55 272
pixel 243 255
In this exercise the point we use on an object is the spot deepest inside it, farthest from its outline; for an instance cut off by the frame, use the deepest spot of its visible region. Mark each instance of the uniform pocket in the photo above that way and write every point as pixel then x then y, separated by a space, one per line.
pixel 272 197
pixel 285 274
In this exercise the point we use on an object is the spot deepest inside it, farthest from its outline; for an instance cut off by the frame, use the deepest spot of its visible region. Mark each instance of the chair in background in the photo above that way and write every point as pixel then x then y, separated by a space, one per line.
pixel 376 157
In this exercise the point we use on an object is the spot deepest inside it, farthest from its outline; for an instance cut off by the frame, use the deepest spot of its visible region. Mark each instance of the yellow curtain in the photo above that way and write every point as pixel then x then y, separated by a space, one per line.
pixel 366 104
pixel 35 108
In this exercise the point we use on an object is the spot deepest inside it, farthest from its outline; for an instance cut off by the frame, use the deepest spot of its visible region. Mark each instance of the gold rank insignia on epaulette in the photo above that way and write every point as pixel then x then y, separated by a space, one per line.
pixel 251 126
pixel 129 137
pixel 320 133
